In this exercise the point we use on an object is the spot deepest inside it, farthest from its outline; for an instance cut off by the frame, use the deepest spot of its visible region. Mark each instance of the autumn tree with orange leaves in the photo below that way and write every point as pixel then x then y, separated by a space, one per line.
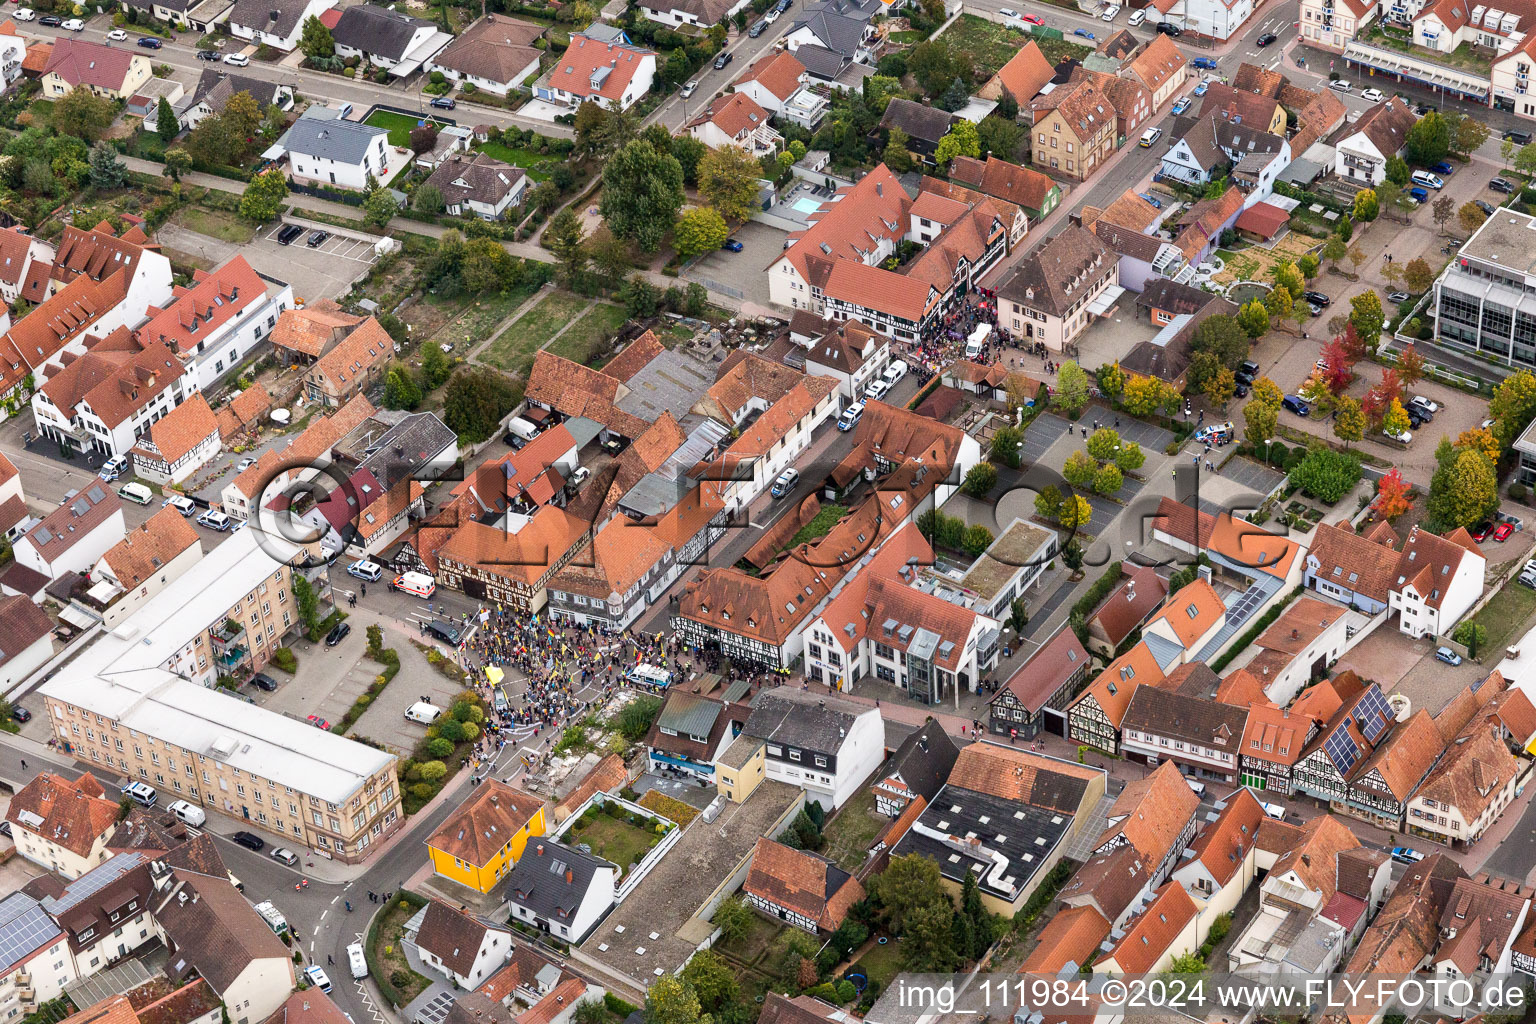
pixel 1392 496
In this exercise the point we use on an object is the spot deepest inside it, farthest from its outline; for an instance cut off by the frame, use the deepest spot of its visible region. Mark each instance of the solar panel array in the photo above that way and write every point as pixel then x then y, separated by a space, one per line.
pixel 94 881
pixel 97 495
pixel 1342 749
pixel 1373 714
pixel 24 928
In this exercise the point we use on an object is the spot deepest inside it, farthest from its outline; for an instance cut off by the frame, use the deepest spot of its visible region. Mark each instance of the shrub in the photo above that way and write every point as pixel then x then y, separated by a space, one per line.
pixel 1326 475
pixel 285 659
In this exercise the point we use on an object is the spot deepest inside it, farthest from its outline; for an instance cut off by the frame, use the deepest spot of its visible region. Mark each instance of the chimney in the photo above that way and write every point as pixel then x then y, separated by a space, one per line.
pixel 570 876
pixel 1295 634
pixel 541 850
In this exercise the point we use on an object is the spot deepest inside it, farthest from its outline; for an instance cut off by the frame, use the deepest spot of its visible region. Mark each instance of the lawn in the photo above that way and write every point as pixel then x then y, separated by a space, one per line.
pixel 514 348
pixel 851 831
pixel 399 126
pixel 820 525
pixel 613 839
pixel 991 45
pixel 673 333
pixel 1506 615
pixel 760 938
pixel 909 36
pixel 537 165
pixel 879 963
pixel 387 956
pixel 583 342
pixel 219 224
pixel 478 319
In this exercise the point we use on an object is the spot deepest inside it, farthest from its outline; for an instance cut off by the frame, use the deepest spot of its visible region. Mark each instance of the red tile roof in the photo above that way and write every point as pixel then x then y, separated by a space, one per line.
pixel 809 885
pixel 81 62
pixel 778 73
pixel 1153 932
pixel 585 56
pixel 1262 219
pixel 213 300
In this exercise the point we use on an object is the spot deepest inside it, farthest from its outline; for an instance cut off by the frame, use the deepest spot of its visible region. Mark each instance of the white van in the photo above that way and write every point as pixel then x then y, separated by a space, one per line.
pixel 522 429
pixel 978 339
pixel 851 416
pixel 274 917
pixel 1428 180
pixel 895 372
pixel 418 583
pixel 649 676
pixel 423 713
pixel 1137 17
pixel 357 961
pixel 136 493
pixel 1273 810
pixel 317 978
pixel 141 793
pixel 1198 787
pixel 73 25
pixel 366 570
pixel 183 504
pixel 190 813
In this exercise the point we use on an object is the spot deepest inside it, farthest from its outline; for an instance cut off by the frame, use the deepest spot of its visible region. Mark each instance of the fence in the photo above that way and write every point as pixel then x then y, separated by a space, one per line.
pixel 334 195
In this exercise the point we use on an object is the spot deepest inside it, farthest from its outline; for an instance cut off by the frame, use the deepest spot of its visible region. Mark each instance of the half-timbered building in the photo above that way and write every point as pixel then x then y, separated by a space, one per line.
pixel 1037 696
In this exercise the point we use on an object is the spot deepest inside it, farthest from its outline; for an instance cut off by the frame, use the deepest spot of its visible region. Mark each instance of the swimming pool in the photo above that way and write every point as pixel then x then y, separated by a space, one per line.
pixel 806 205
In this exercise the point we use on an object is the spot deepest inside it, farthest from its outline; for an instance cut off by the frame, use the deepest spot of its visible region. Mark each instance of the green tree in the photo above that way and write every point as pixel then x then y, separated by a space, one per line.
pixel 1326 475
pixel 962 140
pixel 1470 216
pixel 400 390
pixel 928 944
pixel 1367 206
pixel 1308 264
pixel 640 297
pixel 1223 337
pixel 976 540
pixel 1513 405
pixel 166 125
pixel 1187 963
pixel 1463 490
pixel 1267 392
pixel 1279 304
pixel 1470 133
pixel 1079 470
pixel 671 1000
pixel 316 40
pixel 264 196
pixel 689 151
pixel 1288 277
pixel 475 402
pixel 728 181
pixel 435 366
pixel 1335 249
pixel 699 230
pixel 1071 388
pixel 1472 636
pixel 642 192
pixel 177 162
pixel 1103 443
pixel 1253 318
pixel 428 199
pixel 907 883
pixel 1398 172
pixel 1001 137
pixel 1108 479
pixel 1048 503
pixel 1261 420
pixel 897 156
pixel 1418 276
pixel 487 267
pixel 713 980
pixel 107 171
pixel 1348 421
pixel 979 480
pixel 379 207
pixel 1367 318
pixel 307 602
pixel 734 918
pixel 610 257
pixel 83 115
pixel 1429 140
pixel 564 238
pixel 954 97
pixel 1130 457
pixel 1525 160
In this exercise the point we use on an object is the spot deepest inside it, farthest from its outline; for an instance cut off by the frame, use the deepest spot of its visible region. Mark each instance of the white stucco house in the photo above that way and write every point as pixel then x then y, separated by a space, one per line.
pixel 344 153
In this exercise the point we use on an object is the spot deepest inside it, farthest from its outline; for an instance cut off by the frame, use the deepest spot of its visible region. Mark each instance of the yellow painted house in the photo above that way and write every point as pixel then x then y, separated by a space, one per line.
pixel 481 841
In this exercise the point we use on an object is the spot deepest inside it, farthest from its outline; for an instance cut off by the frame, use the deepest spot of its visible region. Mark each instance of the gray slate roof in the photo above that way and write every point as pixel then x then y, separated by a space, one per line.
pixel 924 760
pixel 377 30
pixel 802 719
pixel 839 33
pixel 343 141
pixel 822 62
pixel 538 883
pixel 257 14
pixel 918 120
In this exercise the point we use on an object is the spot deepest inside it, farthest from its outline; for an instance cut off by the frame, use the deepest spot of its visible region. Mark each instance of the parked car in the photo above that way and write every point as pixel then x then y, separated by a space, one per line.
pixel 771 17
pixel 1248 372
pixel 1202 89
pixel 1265 39
pixel 785 482
pixel 1204 63
pixel 876 389
pixel 248 840
pixel 151 42
pixel 262 681
pixel 337 634
pixel 1181 106
pixel 318 722
pixel 1418 195
pixel 317 239
pixel 1518 138
pixel 183 504
pixel 1157 204
pixel 1007 12
pixel 209 55
pixel 850 417
pixel 1447 655
pixel 1137 17
pixel 1398 297
pixel 117 35
pixel 1295 404
pixel 25 14
pixel 1503 532
pixel 20 713
pixel 238 60
pixel 1084 33
pixel 1032 19
pixel 73 25
pixel 1317 298
pixel 1500 185
pixel 443 102
pixel 723 59
pixel 1340 85
pixel 288 234
pixel 1111 13
pixel 1406 855
pixel 731 245
pixel 114 467
pixel 1168 28
pixel 1482 531
pixel 691 87
pixel 1428 180
pixel 1416 419
pixel 1426 404
pixel 1443 169
pixel 214 520
pixel 51 20
pixel 136 493
pixel 1150 136
pixel 1372 96
pixel 286 856
pixel 1401 437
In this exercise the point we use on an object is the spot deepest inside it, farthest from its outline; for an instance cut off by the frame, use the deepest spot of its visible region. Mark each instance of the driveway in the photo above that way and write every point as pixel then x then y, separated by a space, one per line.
pixel 324 273
pixel 741 275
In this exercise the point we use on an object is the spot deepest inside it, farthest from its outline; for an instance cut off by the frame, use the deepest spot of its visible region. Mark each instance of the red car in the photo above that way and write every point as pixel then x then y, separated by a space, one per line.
pixel 1482 531
pixel 318 722
pixel 1033 19
pixel 1504 532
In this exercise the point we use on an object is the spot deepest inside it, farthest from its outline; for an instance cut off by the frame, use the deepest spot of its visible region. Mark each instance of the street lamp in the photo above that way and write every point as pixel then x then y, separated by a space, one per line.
pixel 1267 442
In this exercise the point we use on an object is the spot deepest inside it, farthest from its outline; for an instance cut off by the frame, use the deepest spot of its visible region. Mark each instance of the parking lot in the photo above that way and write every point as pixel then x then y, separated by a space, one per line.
pixel 324 272
pixel 333 242
pixel 742 274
